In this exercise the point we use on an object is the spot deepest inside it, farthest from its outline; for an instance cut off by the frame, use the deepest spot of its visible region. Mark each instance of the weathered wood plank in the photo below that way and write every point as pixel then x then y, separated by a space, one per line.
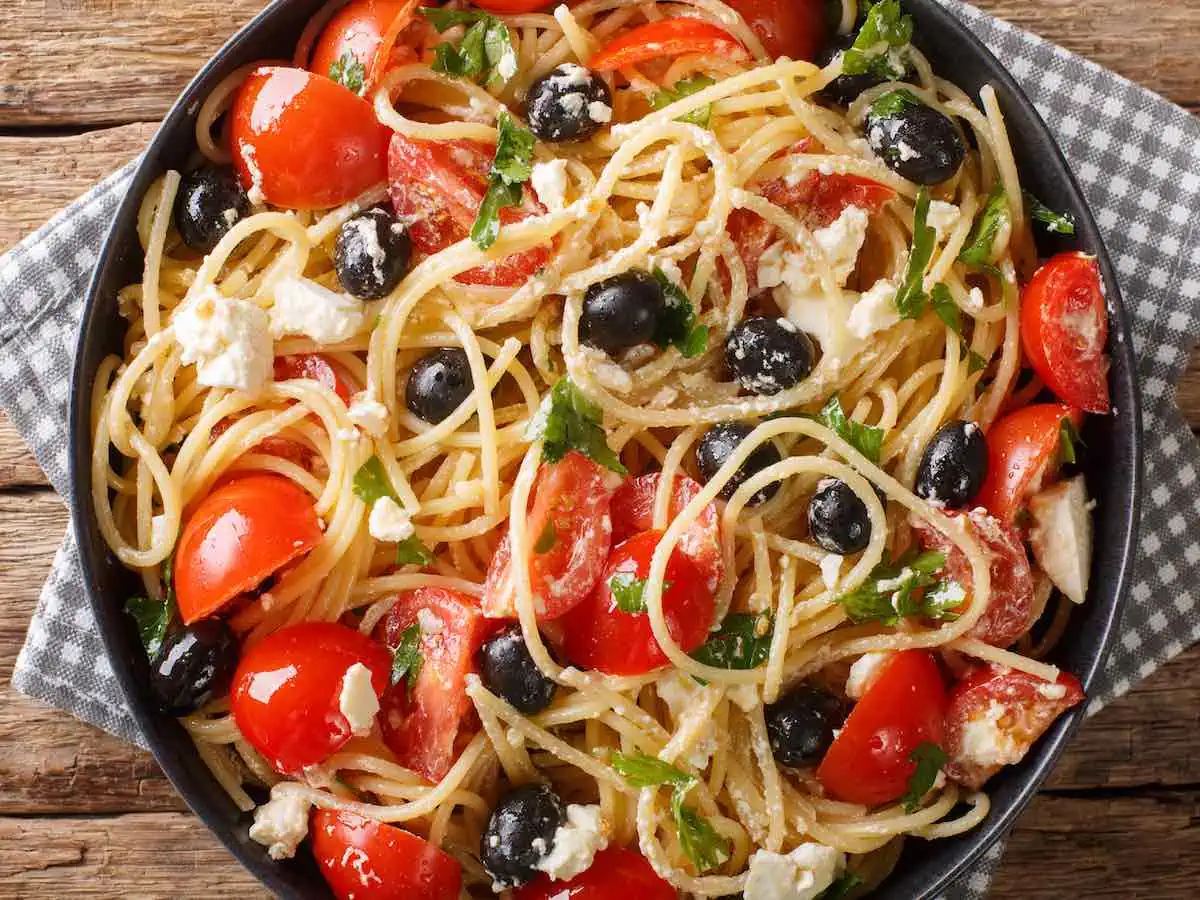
pixel 18 468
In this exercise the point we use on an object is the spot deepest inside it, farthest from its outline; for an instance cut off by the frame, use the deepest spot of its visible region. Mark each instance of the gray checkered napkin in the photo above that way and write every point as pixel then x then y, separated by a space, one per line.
pixel 1138 158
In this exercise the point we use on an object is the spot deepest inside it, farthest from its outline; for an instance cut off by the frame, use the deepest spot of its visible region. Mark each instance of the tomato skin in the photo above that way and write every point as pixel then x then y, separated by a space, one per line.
pixel 286 689
pixel 664 39
pixel 362 29
pixel 574 494
pixel 616 873
pixel 598 635
pixel 1009 612
pixel 312 143
pixel 1027 713
pixel 903 707
pixel 362 859
pixel 1021 447
pixel 420 723
pixel 793 28
pixel 242 532
pixel 1064 327
pixel 315 367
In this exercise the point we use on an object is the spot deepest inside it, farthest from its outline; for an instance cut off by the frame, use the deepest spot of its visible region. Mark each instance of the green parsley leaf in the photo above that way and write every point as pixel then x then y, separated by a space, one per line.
pixel 893 103
pixel 511 167
pixel 945 307
pixel 445 19
pixel 570 421
pixel 371 482
pixel 910 299
pixel 929 758
pixel 547 539
pixel 486 228
pixel 642 771
pixel 685 88
pixel 1056 222
pixel 943 600
pixel 1069 441
pixel 677 325
pixel 975 362
pixel 742 642
pixel 889 593
pixel 406 657
pixel 627 589
pixel 841 887
pixel 885 30
pixel 152 618
pixel 347 71
pixel 982 239
pixel 486 48
pixel 866 439
pixel 697 838
pixel 412 551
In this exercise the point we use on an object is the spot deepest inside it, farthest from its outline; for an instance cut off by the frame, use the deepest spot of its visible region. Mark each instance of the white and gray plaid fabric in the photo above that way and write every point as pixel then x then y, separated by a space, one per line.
pixel 1138 158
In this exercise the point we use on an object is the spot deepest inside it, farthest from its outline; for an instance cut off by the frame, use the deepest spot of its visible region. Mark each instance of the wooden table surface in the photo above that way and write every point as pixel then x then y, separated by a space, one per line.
pixel 85 815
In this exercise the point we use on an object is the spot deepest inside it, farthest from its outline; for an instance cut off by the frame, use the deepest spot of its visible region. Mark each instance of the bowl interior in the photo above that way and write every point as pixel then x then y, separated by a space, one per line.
pixel 1112 465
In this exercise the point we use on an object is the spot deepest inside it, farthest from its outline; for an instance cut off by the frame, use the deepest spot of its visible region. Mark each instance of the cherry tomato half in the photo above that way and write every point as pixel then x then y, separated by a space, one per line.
pixel 1011 709
pixel 664 39
pixel 244 531
pixel 363 859
pixel 600 635
pixel 570 524
pixel 305 141
pixel 421 720
pixel 615 874
pixel 633 512
pixel 314 367
pixel 902 708
pixel 287 687
pixel 796 29
pixel 1064 327
pixel 366 31
pixel 1022 450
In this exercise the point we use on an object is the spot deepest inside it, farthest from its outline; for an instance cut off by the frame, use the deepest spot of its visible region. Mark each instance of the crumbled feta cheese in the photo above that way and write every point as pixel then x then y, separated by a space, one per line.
pixel 347 434
pixel 549 180
pixel 599 111
pixel 943 217
pixel 571 75
pixel 679 692
pixel 358 701
pixel 303 306
pixel 907 152
pixel 862 672
pixel 831 569
pixel 572 103
pixel 984 743
pixel 389 522
pixel 430 622
pixel 228 340
pixel 875 310
pixel 280 825
pixel 507 67
pixel 255 194
pixel 975 301
pixel 800 875
pixel 1052 691
pixel 1061 536
pixel 368 414
pixel 575 843
pixel 842 240
pixel 230 216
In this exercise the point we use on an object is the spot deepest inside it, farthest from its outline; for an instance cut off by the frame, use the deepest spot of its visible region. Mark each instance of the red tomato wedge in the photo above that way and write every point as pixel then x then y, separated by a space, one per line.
pixel 1022 450
pixel 615 874
pixel 664 39
pixel 362 859
pixel 633 512
pixel 244 531
pixel 796 29
pixel 570 520
pixel 314 367
pixel 438 187
pixel 421 721
pixel 1064 327
pixel 996 714
pixel 1009 612
pixel 286 690
pixel 365 31
pixel 306 142
pixel 902 708
pixel 600 635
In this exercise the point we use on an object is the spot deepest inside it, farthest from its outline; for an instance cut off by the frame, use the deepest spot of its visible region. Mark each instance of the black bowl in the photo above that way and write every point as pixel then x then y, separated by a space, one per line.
pixel 1113 459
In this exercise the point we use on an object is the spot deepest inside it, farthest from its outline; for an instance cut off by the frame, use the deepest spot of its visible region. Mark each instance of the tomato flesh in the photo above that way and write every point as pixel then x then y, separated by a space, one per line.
pixel 1022 449
pixel 1064 328
pixel 902 708
pixel 286 691
pixel 571 513
pixel 796 29
pixel 362 859
pixel 664 39
pixel 600 635
pixel 305 141
pixel 365 30
pixel 438 187
pixel 314 367
pixel 615 874
pixel 421 721
pixel 242 532
pixel 1017 705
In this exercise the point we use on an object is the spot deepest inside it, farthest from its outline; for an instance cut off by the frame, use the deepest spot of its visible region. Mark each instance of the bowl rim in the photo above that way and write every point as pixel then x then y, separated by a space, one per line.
pixel 204 803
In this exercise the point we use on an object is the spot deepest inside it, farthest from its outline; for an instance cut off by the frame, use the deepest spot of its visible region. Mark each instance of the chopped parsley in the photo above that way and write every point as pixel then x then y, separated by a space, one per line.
pixel 347 71
pixel 643 771
pixel 866 439
pixel 568 420
pixel 975 362
pixel 685 88
pixel 981 241
pixel 547 539
pixel 371 482
pixel 1055 222
pixel 742 642
pixel 898 590
pixel 929 758
pixel 893 103
pixel 406 658
pixel 910 298
pixel 947 310
pixel 880 49
pixel 412 551
pixel 154 617
pixel 628 590
pixel 486 49
pixel 677 325
pixel 1069 441
pixel 841 887
pixel 511 168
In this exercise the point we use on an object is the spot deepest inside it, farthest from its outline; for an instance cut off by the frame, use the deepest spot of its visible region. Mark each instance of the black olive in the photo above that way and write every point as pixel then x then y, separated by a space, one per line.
pixel 622 311
pixel 837 518
pixel 210 201
pixel 194 664
pixel 438 384
pixel 915 141
pixel 371 254
pixel 800 725
pixel 954 465
pixel 844 89
pixel 769 355
pixel 520 833
pixel 508 670
pixel 718 443
pixel 568 103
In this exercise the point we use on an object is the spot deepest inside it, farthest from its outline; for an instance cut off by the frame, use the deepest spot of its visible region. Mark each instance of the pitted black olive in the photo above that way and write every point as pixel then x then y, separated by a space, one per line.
pixel 718 443
pixel 844 89
pixel 520 833
pixel 371 254
pixel 914 140
pixel 622 311
pixel 769 355
pixel 509 671
pixel 210 201
pixel 194 664
pixel 567 104
pixel 801 723
pixel 438 384
pixel 838 519
pixel 954 465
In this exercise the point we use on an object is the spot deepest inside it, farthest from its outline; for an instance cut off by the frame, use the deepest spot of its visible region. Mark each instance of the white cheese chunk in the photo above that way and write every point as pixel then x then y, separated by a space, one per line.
pixel 389 522
pixel 800 875
pixel 875 310
pixel 985 743
pixel 831 569
pixel 227 339
pixel 302 306
pixel 862 672
pixel 368 414
pixel 255 195
pixel 280 825
pixel 575 843
pixel 943 218
pixel 358 701
pixel 549 180
pixel 1061 536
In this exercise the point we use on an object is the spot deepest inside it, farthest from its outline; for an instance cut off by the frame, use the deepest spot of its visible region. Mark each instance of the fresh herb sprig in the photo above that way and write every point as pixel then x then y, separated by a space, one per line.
pixel 511 168
pixel 371 483
pixel 911 297
pixel 866 439
pixel 1055 222
pixel 676 325
pixel 907 587
pixel 154 617
pixel 347 71
pixel 881 45
pixel 567 421
pixel 701 116
pixel 406 658
pixel 981 242
pixel 742 642
pixel 486 49
pixel 929 758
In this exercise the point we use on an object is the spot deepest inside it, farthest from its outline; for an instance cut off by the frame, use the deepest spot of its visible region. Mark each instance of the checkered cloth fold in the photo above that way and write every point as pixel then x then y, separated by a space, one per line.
pixel 1138 158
